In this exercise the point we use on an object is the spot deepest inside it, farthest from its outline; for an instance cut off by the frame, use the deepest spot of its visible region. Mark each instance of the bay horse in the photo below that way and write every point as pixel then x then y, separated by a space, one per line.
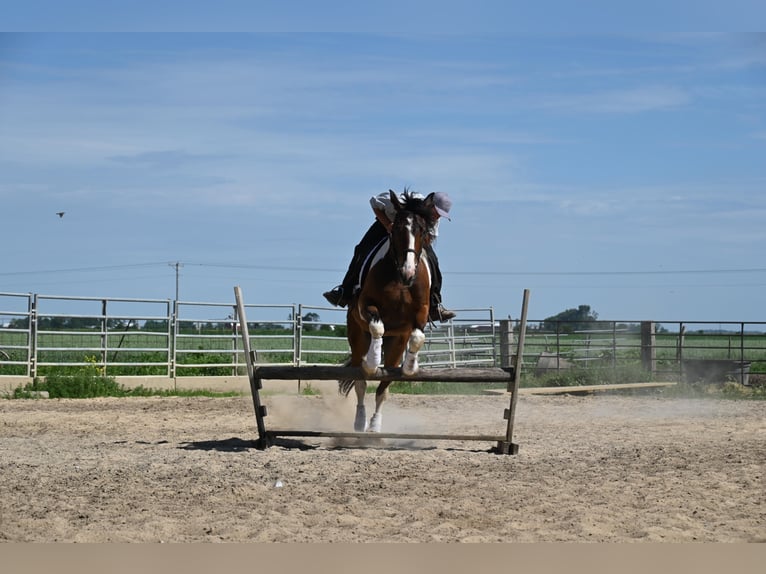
pixel 386 318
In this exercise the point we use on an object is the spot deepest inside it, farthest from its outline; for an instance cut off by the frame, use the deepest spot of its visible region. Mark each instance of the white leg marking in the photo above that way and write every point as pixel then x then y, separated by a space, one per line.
pixel 376 423
pixel 360 421
pixel 410 366
pixel 376 329
pixel 375 352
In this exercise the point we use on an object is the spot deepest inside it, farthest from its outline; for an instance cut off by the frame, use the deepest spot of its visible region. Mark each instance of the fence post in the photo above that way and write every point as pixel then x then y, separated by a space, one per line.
pixel 32 343
pixel 104 335
pixel 742 355
pixel 298 346
pixel 451 339
pixel 506 342
pixel 234 342
pixel 680 342
pixel 648 349
pixel 173 332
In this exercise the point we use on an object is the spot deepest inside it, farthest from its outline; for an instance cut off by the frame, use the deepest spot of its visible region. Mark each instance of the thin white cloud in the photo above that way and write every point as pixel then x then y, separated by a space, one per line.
pixel 621 101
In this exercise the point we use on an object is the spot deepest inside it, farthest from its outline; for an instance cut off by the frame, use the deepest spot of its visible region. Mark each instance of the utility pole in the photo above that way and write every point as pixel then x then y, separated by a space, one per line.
pixel 177 265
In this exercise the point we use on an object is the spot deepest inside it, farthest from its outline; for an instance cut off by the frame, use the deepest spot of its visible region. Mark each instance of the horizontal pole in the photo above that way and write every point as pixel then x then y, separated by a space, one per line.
pixel 581 388
pixel 381 435
pixel 333 372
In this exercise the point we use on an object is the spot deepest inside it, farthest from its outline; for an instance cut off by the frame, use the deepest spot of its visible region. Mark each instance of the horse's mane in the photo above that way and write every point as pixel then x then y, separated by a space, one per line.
pixel 419 207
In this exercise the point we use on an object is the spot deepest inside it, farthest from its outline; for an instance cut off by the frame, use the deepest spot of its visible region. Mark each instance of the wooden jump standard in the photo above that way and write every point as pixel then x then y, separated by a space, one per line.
pixel 266 438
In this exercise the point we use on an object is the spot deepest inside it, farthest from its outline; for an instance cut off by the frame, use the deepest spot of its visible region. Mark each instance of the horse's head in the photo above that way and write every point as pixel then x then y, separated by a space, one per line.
pixel 410 233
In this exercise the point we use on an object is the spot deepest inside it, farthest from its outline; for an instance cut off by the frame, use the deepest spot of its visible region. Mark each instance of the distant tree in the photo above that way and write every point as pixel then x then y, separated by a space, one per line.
pixel 572 319
pixel 19 323
pixel 155 325
pixel 309 318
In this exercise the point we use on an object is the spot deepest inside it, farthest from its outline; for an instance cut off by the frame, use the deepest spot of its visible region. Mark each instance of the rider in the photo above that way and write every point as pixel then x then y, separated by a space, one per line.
pixel 381 227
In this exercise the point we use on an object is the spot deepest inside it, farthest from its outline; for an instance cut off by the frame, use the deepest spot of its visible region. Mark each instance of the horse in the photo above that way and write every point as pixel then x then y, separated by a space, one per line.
pixel 387 316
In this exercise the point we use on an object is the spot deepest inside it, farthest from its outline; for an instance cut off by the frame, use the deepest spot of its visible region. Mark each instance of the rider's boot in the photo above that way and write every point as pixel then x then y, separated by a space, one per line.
pixel 437 312
pixel 336 296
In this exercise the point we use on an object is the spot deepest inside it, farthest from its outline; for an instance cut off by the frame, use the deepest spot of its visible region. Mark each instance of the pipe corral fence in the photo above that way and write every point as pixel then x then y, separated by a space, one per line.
pixel 165 338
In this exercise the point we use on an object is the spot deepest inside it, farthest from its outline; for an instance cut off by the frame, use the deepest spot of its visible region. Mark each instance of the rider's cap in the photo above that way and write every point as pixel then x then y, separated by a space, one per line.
pixel 442 203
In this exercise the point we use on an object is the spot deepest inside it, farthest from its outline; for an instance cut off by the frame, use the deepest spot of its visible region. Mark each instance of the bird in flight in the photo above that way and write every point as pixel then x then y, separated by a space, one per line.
pixel 60 214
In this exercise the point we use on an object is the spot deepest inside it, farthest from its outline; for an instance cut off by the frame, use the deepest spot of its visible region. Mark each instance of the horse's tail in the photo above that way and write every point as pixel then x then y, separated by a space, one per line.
pixel 345 385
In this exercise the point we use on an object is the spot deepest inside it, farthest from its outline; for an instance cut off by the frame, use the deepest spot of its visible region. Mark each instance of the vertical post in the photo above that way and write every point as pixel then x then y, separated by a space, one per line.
pixel 742 354
pixel 32 343
pixel 173 335
pixel 104 335
pixel 234 344
pixel 492 330
pixel 298 338
pixel 680 349
pixel 264 440
pixel 506 343
pixel 178 266
pixel 680 342
pixel 507 446
pixel 648 348
pixel 451 343
pixel 517 364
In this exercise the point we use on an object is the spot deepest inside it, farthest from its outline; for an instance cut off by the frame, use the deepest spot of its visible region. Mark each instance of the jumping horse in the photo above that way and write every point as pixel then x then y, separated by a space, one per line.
pixel 387 316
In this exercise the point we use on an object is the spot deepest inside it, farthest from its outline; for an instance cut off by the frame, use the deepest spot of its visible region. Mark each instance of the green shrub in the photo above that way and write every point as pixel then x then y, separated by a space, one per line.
pixel 89 381
pixel 86 381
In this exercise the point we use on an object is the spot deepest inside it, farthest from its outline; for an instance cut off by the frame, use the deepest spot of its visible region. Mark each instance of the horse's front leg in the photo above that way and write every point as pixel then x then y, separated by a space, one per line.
pixel 415 343
pixel 375 351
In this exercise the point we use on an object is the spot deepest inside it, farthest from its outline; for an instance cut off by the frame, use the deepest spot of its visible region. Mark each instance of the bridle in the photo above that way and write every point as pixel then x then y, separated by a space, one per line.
pixel 399 256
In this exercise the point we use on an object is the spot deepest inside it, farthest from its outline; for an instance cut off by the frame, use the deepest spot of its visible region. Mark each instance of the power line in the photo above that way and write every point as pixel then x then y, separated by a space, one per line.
pixel 510 273
pixel 602 273
pixel 446 272
pixel 81 269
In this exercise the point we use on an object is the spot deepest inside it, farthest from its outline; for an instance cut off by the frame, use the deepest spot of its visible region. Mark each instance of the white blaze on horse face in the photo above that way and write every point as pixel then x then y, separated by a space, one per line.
pixel 410 261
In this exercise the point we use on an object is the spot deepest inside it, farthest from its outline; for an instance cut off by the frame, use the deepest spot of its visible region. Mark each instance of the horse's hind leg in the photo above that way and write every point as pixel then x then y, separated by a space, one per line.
pixel 410 365
pixel 394 348
pixel 376 422
pixel 360 420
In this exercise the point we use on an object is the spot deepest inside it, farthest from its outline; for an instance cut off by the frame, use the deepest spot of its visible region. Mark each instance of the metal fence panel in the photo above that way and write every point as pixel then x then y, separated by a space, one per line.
pixel 182 338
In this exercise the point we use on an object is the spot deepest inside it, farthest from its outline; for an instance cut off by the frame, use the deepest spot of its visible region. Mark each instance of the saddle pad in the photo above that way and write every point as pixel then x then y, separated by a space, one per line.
pixel 376 254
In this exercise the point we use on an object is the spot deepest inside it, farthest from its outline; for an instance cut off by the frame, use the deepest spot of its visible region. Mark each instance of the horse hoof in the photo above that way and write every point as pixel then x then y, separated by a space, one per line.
pixel 376 423
pixel 369 369
pixel 410 371
pixel 410 367
pixel 360 421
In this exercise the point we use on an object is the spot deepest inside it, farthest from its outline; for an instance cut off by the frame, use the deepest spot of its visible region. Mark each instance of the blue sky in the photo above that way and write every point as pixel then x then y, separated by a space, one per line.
pixel 622 171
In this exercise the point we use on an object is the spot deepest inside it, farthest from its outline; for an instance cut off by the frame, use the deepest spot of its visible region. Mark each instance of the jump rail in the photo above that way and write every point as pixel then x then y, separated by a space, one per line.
pixel 267 438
